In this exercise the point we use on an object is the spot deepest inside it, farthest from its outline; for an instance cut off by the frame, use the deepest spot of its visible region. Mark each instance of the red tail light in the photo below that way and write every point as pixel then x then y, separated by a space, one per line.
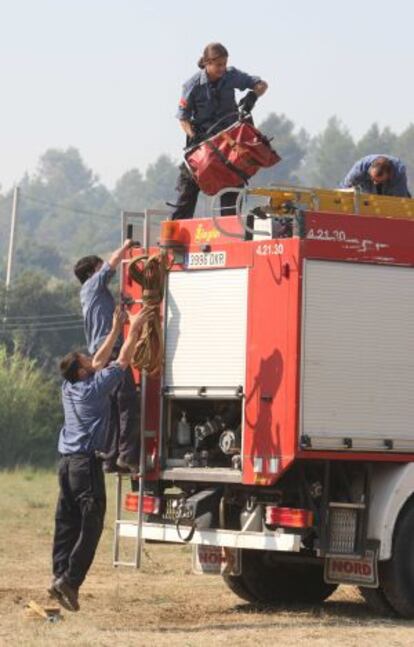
pixel 151 504
pixel 288 517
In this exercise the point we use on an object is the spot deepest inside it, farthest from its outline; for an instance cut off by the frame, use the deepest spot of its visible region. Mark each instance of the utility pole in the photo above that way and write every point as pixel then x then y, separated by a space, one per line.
pixel 10 254
pixel 11 239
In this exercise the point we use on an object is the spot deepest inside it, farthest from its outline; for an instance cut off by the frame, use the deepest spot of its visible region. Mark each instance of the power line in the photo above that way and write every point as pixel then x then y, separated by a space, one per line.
pixel 35 324
pixel 40 329
pixel 48 316
pixel 57 205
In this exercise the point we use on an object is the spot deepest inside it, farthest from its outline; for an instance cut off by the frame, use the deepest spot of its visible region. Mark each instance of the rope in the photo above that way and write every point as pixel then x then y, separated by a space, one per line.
pixel 150 272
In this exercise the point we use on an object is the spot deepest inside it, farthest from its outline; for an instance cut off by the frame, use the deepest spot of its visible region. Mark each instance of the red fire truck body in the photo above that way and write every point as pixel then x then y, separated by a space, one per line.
pixel 289 365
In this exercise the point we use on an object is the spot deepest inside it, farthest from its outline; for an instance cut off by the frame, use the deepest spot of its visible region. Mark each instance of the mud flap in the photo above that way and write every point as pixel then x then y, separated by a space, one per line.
pixel 360 571
pixel 216 560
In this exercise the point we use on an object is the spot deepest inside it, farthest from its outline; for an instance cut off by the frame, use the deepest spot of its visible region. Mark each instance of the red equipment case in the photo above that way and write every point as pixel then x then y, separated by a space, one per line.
pixel 230 158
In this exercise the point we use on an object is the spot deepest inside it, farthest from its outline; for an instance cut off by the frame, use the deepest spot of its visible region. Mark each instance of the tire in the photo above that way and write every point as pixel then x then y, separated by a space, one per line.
pixel 377 601
pixel 237 585
pixel 397 574
pixel 267 581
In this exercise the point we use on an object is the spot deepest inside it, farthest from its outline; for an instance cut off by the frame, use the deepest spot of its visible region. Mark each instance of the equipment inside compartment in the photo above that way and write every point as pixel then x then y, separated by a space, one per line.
pixel 204 433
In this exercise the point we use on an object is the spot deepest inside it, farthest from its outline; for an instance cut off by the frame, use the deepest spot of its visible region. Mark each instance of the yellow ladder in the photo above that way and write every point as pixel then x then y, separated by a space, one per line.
pixel 350 201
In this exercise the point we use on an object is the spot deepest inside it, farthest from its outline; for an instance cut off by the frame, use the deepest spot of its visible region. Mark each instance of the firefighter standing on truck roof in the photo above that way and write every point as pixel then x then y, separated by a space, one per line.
pixel 88 383
pixel 121 450
pixel 379 174
pixel 206 98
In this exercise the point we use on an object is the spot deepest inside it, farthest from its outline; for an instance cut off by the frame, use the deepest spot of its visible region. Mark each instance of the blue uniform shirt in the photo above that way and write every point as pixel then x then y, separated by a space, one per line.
pixel 359 176
pixel 203 102
pixel 87 408
pixel 98 307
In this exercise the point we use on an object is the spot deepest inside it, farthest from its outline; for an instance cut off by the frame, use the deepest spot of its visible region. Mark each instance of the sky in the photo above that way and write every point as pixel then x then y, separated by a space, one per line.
pixel 105 75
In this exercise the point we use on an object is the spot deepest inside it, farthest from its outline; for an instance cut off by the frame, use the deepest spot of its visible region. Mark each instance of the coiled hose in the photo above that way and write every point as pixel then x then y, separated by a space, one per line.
pixel 150 272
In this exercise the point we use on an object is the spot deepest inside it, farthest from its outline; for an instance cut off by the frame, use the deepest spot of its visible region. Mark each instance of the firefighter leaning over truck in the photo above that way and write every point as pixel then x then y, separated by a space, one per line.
pixel 378 174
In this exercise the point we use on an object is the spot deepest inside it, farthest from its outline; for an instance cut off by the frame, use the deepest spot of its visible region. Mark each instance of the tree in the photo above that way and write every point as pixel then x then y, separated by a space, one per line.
pixel 331 154
pixel 30 412
pixel 160 181
pixel 40 258
pixel 64 173
pixel 374 141
pixel 64 206
pixel 405 150
pixel 130 191
pixel 44 319
pixel 290 146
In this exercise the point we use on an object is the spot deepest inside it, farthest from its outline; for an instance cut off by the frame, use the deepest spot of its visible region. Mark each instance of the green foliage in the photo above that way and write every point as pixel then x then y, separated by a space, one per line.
pixel 405 150
pixel 40 257
pixel 65 206
pixel 331 154
pixel 37 318
pixel 160 182
pixel 130 191
pixel 133 192
pixel 30 412
pixel 64 174
pixel 374 141
pixel 290 146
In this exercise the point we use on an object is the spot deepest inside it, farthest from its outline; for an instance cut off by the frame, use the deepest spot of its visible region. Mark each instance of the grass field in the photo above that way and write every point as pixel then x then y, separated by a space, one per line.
pixel 163 604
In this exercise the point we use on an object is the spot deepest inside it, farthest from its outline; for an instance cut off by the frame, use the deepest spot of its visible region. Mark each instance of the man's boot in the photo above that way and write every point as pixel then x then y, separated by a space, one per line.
pixel 66 594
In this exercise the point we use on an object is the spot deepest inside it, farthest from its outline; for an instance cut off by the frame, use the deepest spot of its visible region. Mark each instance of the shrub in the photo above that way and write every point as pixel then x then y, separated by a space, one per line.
pixel 30 412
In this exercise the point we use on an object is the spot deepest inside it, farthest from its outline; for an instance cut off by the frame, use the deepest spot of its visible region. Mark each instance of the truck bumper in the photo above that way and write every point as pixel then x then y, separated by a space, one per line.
pixel 277 540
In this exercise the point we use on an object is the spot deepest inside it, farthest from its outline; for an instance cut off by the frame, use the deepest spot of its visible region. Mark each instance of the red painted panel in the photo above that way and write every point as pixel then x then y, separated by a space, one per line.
pixel 200 231
pixel 272 359
pixel 345 237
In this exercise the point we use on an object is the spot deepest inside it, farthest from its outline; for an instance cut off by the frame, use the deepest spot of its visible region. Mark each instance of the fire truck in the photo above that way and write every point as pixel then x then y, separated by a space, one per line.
pixel 278 439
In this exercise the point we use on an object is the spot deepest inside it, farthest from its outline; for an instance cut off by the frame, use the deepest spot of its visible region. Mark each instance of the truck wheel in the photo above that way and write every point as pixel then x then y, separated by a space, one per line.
pixel 237 585
pixel 376 600
pixel 265 580
pixel 397 574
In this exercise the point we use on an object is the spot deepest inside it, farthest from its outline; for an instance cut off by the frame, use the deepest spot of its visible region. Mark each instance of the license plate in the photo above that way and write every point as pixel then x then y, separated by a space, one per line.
pixel 200 260
pixel 216 560
pixel 345 570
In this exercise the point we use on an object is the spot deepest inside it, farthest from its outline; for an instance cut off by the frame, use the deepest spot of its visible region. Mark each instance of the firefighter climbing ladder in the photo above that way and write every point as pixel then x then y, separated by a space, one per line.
pixel 127 232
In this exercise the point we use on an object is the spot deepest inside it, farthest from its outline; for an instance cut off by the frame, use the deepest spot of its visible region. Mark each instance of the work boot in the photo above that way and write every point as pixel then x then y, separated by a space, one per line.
pixel 66 594
pixel 51 589
pixel 124 465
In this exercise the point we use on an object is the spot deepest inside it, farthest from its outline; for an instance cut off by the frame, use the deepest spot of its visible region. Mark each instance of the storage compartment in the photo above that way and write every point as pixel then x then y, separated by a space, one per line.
pixel 206 329
pixel 357 357
pixel 203 433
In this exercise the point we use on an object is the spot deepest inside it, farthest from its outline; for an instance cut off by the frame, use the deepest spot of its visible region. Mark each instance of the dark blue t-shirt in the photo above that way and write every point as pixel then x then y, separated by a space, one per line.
pixel 87 409
pixel 98 307
pixel 204 102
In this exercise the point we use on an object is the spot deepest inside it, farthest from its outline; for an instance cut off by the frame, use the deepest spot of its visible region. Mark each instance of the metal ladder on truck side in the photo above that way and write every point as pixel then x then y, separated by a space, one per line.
pixel 136 524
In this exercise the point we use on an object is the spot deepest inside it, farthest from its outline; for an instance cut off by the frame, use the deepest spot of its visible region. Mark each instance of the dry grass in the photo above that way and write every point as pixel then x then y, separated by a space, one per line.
pixel 164 604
